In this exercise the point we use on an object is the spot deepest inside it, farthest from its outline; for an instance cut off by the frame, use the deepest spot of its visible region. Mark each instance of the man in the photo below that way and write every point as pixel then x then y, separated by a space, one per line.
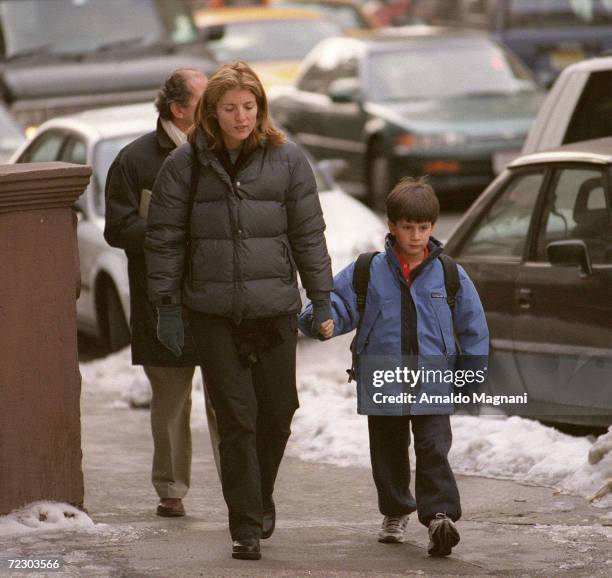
pixel 128 188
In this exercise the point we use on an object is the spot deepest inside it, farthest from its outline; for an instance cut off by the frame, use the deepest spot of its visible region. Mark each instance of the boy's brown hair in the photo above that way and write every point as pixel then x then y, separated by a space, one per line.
pixel 413 200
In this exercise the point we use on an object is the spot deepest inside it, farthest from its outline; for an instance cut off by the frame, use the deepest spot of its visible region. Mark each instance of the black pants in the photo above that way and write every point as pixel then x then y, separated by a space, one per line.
pixel 254 407
pixel 436 488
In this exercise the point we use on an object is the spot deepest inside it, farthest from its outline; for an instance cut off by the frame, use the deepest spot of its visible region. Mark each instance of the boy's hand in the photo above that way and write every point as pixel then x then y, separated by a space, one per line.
pixel 326 330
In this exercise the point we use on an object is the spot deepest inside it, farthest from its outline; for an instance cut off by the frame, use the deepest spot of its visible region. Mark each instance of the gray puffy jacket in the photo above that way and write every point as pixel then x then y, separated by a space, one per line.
pixel 247 237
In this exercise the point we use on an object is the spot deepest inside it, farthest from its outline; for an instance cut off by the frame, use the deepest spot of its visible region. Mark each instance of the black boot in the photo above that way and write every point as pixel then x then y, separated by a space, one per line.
pixel 246 549
pixel 269 520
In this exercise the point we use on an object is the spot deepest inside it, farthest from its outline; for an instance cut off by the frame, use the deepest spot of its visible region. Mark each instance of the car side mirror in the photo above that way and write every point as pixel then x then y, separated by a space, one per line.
pixel 344 90
pixel 570 253
pixel 333 169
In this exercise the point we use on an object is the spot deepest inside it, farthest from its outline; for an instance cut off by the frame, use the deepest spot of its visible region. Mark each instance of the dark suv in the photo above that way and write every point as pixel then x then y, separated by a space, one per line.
pixel 546 34
pixel 62 56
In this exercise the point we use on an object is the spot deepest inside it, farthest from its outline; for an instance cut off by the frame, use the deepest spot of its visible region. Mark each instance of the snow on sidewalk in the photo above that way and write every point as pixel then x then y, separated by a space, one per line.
pixel 327 429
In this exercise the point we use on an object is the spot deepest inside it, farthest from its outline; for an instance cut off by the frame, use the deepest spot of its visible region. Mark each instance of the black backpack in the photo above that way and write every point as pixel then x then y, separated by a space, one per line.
pixel 361 282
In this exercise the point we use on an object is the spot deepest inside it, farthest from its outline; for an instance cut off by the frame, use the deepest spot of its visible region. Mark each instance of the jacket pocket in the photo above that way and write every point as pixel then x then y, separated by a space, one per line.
pixel 444 321
pixel 369 321
pixel 289 260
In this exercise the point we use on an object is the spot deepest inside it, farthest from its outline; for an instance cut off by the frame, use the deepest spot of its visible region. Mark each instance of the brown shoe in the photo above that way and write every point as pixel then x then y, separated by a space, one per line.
pixel 171 508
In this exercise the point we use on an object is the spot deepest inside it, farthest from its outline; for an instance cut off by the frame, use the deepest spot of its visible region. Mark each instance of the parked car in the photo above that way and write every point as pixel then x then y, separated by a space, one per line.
pixel 547 35
pixel 11 135
pixel 410 101
pixel 94 138
pixel 61 56
pixel 578 107
pixel 538 246
pixel 348 14
pixel 272 40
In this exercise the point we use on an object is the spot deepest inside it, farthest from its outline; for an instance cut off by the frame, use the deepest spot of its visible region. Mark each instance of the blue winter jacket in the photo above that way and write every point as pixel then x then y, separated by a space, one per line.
pixel 411 323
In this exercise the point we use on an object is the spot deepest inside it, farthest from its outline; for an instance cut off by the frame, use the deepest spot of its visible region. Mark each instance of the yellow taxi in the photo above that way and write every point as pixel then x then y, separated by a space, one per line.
pixel 272 40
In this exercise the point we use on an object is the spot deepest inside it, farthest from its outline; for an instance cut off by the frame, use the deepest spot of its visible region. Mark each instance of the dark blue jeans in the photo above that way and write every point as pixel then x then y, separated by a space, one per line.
pixel 435 485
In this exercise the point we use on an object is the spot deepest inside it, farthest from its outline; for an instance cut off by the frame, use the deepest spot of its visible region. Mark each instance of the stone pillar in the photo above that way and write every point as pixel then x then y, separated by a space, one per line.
pixel 40 385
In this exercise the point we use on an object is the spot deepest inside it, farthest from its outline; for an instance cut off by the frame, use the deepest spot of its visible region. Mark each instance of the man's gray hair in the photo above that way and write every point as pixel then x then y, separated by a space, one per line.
pixel 175 89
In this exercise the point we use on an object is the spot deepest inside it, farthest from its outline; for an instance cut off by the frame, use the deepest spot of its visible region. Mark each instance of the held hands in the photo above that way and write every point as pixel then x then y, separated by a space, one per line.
pixel 170 330
pixel 322 321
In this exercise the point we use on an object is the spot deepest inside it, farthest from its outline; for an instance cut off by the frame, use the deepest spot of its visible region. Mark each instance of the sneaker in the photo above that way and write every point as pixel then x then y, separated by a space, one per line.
pixel 392 529
pixel 443 536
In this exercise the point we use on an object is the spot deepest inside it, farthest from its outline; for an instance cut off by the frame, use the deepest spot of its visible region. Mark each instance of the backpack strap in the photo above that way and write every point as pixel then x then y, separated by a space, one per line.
pixel 361 282
pixel 452 285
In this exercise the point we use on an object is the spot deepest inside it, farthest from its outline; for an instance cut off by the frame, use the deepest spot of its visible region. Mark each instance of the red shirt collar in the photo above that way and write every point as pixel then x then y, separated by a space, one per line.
pixel 405 266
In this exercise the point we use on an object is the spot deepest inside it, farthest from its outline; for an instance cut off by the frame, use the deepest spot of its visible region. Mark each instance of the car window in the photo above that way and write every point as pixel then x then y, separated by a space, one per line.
pixel 329 66
pixel 77 25
pixel 103 156
pixel 45 148
pixel 593 115
pixel 271 39
pixel 74 151
pixel 502 229
pixel 558 13
pixel 445 68
pixel 576 208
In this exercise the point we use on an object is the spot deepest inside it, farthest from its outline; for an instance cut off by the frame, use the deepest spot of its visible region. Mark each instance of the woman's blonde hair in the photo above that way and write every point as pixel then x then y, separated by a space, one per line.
pixel 227 77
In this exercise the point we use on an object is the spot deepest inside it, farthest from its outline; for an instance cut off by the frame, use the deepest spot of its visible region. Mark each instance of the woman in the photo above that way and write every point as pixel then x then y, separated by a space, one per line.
pixel 253 219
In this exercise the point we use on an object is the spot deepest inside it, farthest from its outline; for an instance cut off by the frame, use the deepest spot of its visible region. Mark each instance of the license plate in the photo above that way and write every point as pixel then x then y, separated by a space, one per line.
pixel 560 58
pixel 502 158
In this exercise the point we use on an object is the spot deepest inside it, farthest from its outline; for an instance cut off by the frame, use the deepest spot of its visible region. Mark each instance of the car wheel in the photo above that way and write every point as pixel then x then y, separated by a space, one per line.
pixel 378 176
pixel 115 329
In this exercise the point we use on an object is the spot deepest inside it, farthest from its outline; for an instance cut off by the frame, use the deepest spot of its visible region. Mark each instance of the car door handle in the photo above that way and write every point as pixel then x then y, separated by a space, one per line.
pixel 523 296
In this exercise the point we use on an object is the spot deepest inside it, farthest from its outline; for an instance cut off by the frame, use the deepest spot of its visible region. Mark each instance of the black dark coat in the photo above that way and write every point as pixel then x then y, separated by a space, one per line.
pixel 248 236
pixel 135 169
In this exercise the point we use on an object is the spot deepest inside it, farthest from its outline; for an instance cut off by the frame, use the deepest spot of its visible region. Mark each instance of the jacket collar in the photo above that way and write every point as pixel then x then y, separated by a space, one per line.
pixel 208 156
pixel 163 139
pixel 434 247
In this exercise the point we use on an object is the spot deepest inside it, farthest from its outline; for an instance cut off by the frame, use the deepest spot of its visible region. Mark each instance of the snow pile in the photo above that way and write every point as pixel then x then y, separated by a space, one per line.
pixel 113 373
pixel 44 517
pixel 326 428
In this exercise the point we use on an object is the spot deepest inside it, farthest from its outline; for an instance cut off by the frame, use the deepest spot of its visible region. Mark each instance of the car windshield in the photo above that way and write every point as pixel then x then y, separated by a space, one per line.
pixel 559 13
pixel 271 39
pixel 104 154
pixel 77 26
pixel 11 135
pixel 447 70
pixel 346 16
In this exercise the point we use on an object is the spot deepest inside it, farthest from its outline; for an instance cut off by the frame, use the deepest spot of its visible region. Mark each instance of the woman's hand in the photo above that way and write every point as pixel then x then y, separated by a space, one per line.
pixel 170 330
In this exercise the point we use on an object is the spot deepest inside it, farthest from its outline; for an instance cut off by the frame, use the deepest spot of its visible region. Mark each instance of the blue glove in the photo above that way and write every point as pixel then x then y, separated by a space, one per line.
pixel 170 330
pixel 321 311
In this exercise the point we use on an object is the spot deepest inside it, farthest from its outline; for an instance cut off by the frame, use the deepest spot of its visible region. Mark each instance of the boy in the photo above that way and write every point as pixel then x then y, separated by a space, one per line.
pixel 406 314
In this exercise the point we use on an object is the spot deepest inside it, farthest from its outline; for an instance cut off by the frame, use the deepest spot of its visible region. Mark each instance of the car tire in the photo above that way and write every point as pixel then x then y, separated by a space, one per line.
pixel 378 176
pixel 115 329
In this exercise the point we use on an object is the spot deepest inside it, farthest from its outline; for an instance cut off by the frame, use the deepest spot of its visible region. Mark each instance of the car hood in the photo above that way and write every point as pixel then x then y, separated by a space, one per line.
pixel 277 73
pixel 473 115
pixel 351 228
pixel 62 79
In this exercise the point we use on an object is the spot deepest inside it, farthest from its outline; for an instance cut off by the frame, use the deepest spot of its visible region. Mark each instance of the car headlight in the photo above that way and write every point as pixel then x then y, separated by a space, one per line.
pixel 407 142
